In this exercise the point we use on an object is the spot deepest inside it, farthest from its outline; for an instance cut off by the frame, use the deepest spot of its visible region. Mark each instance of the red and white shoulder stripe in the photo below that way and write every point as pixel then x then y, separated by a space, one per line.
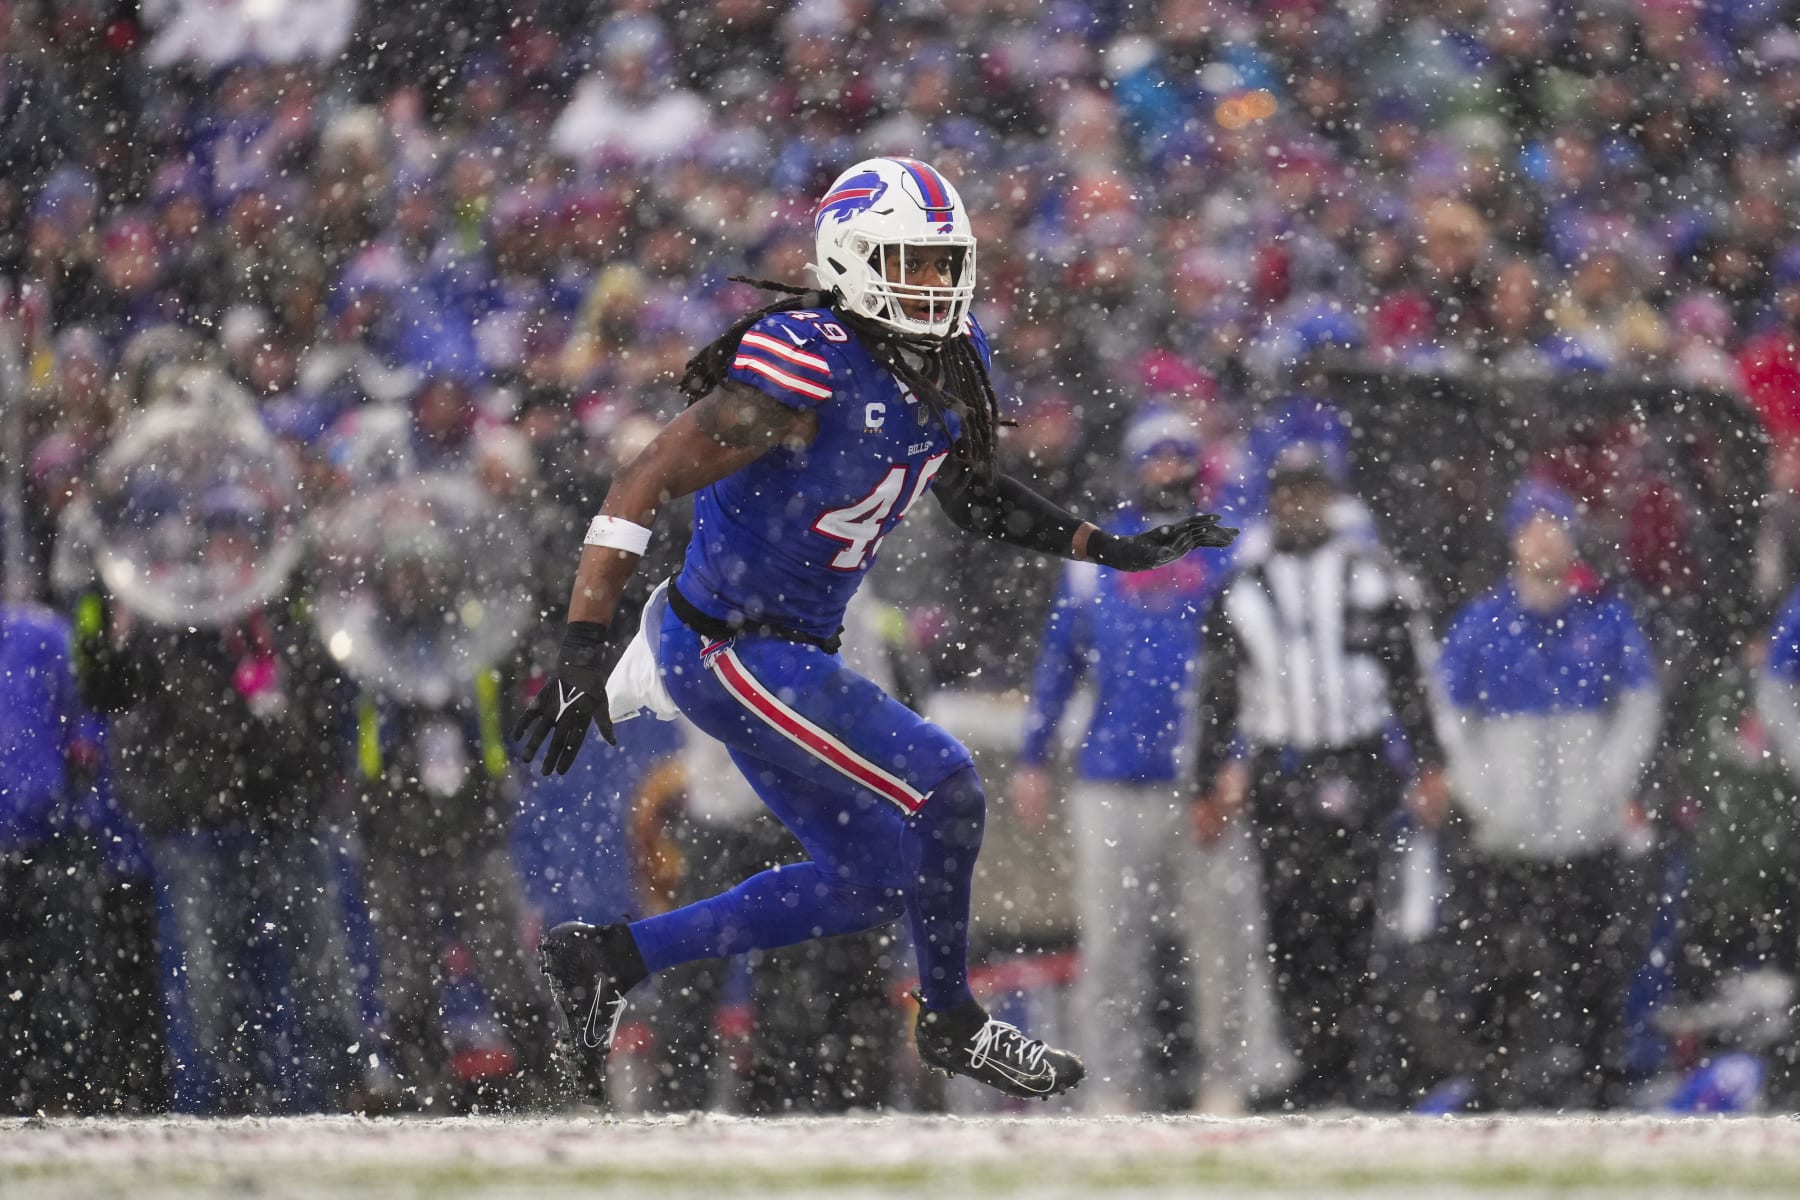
pixel 787 353
pixel 775 374
pixel 789 367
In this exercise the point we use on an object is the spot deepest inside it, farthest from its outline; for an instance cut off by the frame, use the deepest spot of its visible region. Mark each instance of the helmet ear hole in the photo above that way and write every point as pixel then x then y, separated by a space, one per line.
pixel 835 265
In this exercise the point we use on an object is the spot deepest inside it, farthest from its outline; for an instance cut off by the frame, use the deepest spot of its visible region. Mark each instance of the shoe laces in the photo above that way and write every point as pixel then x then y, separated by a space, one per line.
pixel 998 1039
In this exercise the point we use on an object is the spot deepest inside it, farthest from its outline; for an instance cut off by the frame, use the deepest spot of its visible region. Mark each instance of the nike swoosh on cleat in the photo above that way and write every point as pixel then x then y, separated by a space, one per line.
pixel 588 1036
pixel 1043 1082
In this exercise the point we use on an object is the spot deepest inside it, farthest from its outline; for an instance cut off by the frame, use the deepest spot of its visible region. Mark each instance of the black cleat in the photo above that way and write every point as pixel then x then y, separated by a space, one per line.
pixel 966 1041
pixel 590 968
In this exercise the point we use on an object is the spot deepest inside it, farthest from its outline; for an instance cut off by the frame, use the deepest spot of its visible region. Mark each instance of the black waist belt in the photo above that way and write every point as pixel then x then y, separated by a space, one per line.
pixel 1288 760
pixel 710 626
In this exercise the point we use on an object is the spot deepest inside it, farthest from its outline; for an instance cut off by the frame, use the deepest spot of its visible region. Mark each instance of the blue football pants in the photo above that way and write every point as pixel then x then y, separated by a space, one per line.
pixel 886 804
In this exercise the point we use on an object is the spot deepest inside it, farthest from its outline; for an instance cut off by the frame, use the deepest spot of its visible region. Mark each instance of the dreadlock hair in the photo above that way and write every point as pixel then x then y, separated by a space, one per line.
pixel 946 375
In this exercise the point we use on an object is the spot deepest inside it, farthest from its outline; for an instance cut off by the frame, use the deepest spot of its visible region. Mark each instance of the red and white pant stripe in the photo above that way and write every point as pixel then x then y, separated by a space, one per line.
pixel 745 688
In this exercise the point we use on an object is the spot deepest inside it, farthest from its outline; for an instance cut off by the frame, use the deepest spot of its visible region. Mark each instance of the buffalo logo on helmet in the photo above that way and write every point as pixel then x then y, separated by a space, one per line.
pixel 854 195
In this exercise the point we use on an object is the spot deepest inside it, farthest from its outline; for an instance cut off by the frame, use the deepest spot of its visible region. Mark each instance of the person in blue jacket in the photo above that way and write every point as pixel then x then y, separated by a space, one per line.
pixel 1778 686
pixel 1139 872
pixel 83 1030
pixel 1553 695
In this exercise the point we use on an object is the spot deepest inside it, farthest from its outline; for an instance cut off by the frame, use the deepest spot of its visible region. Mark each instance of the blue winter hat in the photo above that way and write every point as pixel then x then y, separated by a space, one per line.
pixel 1534 499
pixel 1160 431
pixel 1320 325
pixel 70 195
pixel 1303 463
pixel 231 506
pixel 1785 270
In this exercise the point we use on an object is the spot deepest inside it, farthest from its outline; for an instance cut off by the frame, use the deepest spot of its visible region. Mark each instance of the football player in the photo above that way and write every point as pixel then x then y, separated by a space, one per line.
pixel 815 424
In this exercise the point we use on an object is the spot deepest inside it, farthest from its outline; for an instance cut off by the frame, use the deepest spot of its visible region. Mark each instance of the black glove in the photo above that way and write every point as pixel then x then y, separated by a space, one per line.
pixel 569 699
pixel 1161 545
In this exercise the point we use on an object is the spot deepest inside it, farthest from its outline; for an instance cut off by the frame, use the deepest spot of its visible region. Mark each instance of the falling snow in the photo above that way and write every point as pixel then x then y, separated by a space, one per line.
pixel 1444 769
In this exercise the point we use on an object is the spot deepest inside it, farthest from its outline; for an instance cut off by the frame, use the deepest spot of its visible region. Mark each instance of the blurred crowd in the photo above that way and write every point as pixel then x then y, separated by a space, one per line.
pixel 541 208
pixel 483 239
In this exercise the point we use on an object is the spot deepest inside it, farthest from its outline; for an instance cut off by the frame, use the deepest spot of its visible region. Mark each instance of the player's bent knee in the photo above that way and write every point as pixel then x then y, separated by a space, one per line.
pixel 956 810
pixel 962 791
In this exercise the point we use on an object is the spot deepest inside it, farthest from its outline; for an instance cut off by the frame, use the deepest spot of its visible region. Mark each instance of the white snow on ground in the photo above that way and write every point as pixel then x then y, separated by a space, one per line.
pixel 920 1158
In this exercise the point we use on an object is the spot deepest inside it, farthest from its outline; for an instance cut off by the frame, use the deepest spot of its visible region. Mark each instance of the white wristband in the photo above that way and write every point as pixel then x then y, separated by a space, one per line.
pixel 616 533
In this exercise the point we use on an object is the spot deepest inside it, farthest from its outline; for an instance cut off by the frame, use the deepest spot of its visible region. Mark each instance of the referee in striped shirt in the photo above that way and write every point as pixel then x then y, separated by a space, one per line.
pixel 1311 652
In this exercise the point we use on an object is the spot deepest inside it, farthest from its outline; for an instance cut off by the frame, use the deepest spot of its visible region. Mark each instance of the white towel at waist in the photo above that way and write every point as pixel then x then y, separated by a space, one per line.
pixel 635 685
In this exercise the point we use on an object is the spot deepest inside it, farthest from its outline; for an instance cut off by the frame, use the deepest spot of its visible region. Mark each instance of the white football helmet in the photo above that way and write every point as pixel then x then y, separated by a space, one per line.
pixel 875 215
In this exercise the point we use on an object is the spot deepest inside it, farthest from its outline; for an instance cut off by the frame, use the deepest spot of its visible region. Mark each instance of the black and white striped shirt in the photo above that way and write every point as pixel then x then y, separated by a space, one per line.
pixel 1313 649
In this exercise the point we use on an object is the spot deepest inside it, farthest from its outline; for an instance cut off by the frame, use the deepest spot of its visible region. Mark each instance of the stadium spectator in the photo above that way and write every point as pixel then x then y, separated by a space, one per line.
pixel 434 811
pixel 1138 875
pixel 628 111
pixel 75 936
pixel 215 35
pixel 1770 359
pixel 1778 685
pixel 1555 706
pixel 215 738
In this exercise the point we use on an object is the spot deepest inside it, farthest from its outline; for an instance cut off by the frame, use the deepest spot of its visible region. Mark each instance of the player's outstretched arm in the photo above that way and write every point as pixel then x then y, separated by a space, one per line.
pixel 727 430
pixel 1007 511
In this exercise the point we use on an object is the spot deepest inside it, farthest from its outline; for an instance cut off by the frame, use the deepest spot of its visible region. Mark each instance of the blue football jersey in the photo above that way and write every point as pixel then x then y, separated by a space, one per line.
pixel 788 539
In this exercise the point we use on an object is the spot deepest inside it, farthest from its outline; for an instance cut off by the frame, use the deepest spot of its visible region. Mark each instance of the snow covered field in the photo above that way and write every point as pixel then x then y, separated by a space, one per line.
pixel 915 1157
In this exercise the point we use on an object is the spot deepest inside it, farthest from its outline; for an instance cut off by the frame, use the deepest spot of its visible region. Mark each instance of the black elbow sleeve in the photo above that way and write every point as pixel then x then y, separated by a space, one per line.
pixel 967 503
pixel 1007 511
